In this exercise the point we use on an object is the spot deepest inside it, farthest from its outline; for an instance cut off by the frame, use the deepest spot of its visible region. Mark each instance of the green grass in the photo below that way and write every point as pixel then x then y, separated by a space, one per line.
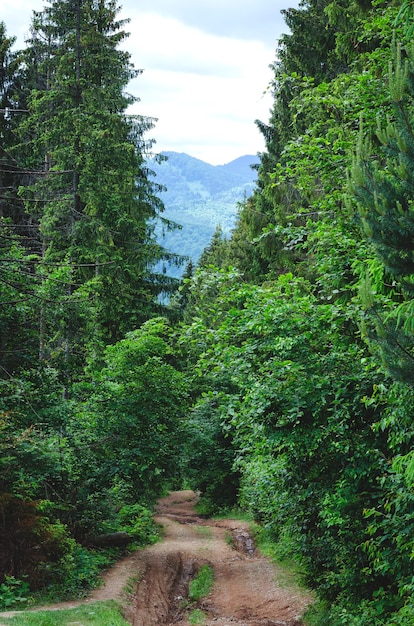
pixel 205 507
pixel 235 513
pixel 98 614
pixel 204 531
pixel 197 617
pixel 229 539
pixel 290 572
pixel 199 588
pixel 201 585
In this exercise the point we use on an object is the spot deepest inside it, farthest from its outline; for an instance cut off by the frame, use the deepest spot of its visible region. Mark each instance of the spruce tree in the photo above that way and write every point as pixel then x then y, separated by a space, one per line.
pixel 216 251
pixel 322 43
pixel 17 286
pixel 94 203
pixel 12 108
pixel 382 182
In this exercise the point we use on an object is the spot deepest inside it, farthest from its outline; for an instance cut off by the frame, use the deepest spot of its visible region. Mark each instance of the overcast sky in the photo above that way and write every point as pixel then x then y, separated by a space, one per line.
pixel 206 68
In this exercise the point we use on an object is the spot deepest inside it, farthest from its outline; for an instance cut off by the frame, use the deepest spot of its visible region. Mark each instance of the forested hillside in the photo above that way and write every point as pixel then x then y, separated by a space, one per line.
pixel 199 197
pixel 280 377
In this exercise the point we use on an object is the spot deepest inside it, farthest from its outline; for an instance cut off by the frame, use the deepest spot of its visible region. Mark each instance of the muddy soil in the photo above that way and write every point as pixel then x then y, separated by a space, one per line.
pixel 152 584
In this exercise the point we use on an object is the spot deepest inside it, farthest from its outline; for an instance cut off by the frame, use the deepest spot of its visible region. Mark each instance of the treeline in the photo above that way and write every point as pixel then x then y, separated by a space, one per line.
pixel 300 327
pixel 78 212
pixel 280 375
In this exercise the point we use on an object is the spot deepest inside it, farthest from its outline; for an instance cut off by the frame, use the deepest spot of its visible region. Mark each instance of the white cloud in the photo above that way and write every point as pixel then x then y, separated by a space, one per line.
pixel 240 19
pixel 206 66
pixel 209 125
pixel 165 43
pixel 16 14
pixel 205 90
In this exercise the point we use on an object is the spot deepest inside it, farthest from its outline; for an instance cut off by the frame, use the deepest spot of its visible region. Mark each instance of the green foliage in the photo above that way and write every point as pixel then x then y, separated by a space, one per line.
pixel 365 613
pixel 210 457
pixel 88 196
pixel 215 253
pixel 138 522
pixel 12 592
pixel 77 571
pixel 322 436
pixel 274 390
pixel 76 244
pixel 323 614
pixel 28 540
pixel 292 397
pixel 381 185
pixel 131 417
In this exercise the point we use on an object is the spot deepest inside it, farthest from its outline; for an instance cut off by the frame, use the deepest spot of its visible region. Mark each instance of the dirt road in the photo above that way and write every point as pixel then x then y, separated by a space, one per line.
pixel 246 591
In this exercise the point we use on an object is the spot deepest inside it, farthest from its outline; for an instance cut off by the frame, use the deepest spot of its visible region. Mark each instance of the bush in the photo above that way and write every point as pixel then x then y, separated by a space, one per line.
pixel 12 592
pixel 138 522
pixel 324 614
pixel 28 540
pixel 77 571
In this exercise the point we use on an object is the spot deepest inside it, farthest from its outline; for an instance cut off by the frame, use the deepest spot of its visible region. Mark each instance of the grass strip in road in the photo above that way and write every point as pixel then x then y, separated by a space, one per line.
pixel 201 584
pixel 199 588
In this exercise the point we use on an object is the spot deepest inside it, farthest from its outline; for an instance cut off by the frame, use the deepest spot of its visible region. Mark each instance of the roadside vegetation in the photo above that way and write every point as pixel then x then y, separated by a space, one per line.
pixel 99 614
pixel 280 375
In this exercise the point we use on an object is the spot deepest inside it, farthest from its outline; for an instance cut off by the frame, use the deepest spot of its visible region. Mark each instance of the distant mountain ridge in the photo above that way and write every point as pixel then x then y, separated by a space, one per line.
pixel 241 166
pixel 199 197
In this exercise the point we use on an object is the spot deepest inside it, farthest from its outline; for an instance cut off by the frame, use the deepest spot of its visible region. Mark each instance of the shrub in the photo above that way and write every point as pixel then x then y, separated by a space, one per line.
pixel 12 592
pixel 138 522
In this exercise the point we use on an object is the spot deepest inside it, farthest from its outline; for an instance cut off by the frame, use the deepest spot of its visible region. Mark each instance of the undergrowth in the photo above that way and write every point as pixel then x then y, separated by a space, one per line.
pixel 365 613
pixel 13 592
pixel 206 507
pixel 71 577
pixel 280 553
pixel 197 617
pixel 79 568
pixel 98 614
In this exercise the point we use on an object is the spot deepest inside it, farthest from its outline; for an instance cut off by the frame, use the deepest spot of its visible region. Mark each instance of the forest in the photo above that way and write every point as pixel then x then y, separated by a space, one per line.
pixel 277 375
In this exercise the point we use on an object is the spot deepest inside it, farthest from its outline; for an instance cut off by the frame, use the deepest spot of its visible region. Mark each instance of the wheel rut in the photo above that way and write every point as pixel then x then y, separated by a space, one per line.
pixel 152 584
pixel 245 592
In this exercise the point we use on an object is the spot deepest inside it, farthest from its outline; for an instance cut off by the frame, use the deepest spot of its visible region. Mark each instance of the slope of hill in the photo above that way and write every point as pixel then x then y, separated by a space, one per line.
pixel 200 196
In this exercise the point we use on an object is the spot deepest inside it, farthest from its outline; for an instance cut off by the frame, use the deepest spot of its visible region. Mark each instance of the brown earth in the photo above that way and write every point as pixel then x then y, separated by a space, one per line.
pixel 152 584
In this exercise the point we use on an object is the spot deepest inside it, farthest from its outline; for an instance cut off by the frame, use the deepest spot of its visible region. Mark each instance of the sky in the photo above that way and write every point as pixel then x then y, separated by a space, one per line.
pixel 205 69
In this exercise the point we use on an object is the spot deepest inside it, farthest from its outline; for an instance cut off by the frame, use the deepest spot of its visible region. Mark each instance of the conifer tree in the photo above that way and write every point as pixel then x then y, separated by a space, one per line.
pixel 11 111
pixel 322 43
pixel 6 80
pixel 216 251
pixel 382 182
pixel 93 200
pixel 17 309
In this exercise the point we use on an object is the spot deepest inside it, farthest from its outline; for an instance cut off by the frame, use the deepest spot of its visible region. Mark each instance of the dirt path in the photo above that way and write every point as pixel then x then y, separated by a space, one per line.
pixel 246 591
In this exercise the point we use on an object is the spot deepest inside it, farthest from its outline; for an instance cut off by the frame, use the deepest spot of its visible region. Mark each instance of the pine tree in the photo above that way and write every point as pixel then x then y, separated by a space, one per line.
pixel 216 251
pixel 11 110
pixel 6 80
pixel 94 202
pixel 17 286
pixel 382 182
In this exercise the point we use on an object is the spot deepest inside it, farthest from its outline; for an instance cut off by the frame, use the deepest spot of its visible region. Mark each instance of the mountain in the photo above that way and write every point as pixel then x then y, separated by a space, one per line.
pixel 200 196
pixel 241 166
